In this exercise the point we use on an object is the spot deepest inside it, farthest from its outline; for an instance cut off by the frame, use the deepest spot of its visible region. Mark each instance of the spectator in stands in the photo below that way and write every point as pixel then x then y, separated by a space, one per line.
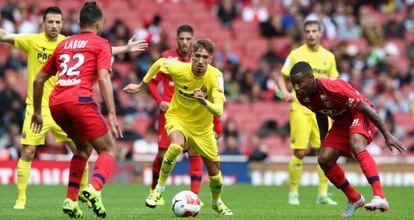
pixel 10 11
pixel 370 29
pixel 227 12
pixel 118 35
pixel 394 128
pixel 230 129
pixel 12 105
pixel 254 12
pixel 409 20
pixel 350 29
pixel 29 23
pixel 231 146
pixel 257 150
pixel 15 61
pixel 328 27
pixel 6 24
pixel 394 28
pixel 273 26
pixel 129 130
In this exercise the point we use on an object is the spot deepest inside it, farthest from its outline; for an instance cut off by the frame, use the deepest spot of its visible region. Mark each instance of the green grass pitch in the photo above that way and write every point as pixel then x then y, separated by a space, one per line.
pixel 246 201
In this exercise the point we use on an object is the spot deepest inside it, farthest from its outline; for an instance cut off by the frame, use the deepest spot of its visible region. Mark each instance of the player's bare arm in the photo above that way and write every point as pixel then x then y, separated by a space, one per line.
pixel 323 125
pixel 132 46
pixel 154 69
pixel 390 140
pixel 6 37
pixel 105 85
pixel 38 85
pixel 282 83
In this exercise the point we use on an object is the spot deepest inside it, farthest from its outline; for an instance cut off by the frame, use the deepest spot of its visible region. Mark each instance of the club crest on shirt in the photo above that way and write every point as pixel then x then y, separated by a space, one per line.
pixel 306 99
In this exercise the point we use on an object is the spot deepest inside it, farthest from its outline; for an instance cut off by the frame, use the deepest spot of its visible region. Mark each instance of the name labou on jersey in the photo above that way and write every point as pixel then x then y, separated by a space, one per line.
pixel 191 95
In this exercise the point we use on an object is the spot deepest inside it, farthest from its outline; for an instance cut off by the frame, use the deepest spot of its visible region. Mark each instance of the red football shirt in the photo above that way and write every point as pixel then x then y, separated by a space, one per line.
pixel 336 99
pixel 77 60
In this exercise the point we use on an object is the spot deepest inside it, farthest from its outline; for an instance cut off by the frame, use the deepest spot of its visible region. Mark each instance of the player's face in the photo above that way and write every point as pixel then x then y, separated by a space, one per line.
pixel 184 42
pixel 200 60
pixel 312 35
pixel 302 84
pixel 52 25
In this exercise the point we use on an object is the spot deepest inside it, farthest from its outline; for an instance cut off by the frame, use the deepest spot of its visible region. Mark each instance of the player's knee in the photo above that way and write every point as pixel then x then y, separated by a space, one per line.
pixel 28 153
pixel 357 144
pixel 324 162
pixel 300 154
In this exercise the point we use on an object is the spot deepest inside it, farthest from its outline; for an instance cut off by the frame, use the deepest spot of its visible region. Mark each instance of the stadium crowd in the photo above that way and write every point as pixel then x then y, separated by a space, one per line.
pixel 373 42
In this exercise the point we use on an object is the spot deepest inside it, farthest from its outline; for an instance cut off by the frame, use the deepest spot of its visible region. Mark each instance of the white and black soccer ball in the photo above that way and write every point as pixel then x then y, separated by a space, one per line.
pixel 186 204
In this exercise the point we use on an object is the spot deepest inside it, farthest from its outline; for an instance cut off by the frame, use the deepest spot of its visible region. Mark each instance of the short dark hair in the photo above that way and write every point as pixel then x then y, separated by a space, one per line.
pixel 205 44
pixel 52 10
pixel 185 28
pixel 89 14
pixel 301 67
pixel 312 22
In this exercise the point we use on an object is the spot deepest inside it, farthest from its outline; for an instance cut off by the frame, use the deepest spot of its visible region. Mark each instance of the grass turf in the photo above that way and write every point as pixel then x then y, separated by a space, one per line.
pixel 246 201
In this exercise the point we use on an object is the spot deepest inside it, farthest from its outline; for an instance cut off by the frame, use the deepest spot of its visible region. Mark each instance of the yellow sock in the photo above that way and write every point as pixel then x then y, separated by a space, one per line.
pixel 84 180
pixel 323 182
pixel 216 184
pixel 295 171
pixel 168 162
pixel 23 174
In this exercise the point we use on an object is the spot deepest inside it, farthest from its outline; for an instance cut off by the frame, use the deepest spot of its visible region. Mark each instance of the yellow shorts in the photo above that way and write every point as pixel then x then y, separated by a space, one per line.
pixel 29 138
pixel 303 128
pixel 203 142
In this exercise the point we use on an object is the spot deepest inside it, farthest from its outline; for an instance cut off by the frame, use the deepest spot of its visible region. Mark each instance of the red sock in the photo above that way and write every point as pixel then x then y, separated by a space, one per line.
pixel 336 175
pixel 156 166
pixel 77 167
pixel 370 170
pixel 104 167
pixel 196 173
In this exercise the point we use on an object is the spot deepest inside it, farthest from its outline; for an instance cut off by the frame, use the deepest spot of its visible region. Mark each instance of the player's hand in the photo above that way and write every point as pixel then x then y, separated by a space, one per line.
pixel 199 95
pixel 393 142
pixel 164 106
pixel 134 46
pixel 115 128
pixel 133 88
pixel 288 97
pixel 37 123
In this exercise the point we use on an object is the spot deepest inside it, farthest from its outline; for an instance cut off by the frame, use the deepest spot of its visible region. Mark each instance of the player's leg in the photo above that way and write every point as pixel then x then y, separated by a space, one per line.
pixel 61 136
pixel 358 143
pixel 81 151
pixel 327 159
pixel 163 143
pixel 323 198
pixel 216 185
pixel 205 144
pixel 104 145
pixel 29 141
pixel 196 171
pixel 299 138
pixel 176 147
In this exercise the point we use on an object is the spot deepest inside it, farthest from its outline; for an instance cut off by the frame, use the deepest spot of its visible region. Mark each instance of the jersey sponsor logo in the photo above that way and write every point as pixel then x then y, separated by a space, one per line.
pixel 43 57
pixel 332 112
pixel 351 102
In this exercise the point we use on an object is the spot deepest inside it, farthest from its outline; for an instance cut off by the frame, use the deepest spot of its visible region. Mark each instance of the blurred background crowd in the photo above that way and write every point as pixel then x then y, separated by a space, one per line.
pixel 373 42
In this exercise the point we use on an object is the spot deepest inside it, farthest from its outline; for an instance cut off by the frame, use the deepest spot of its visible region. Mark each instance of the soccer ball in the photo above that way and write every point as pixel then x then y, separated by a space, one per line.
pixel 186 204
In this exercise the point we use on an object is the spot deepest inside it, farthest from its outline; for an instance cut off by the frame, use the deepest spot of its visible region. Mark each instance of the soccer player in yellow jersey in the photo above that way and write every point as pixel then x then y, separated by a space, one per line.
pixel 38 48
pixel 189 119
pixel 303 125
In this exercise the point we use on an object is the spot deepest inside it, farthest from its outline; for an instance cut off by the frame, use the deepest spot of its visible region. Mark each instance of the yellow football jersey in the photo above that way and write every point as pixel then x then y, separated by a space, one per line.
pixel 322 62
pixel 184 107
pixel 38 48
